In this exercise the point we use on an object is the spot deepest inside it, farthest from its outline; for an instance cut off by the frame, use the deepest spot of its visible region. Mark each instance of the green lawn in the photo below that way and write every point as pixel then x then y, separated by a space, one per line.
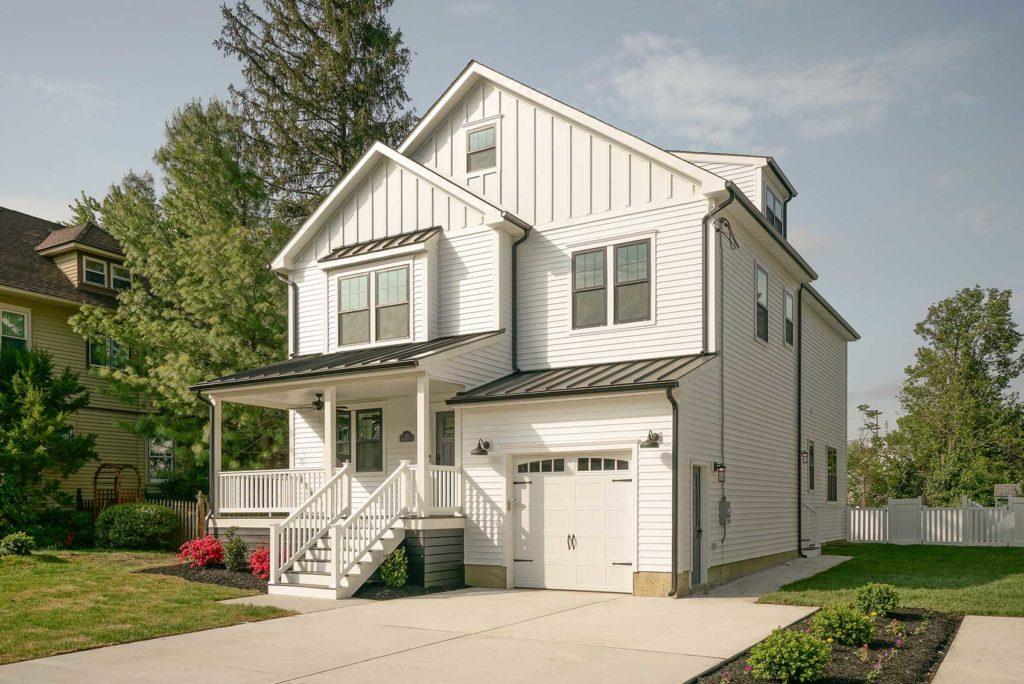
pixel 72 600
pixel 953 579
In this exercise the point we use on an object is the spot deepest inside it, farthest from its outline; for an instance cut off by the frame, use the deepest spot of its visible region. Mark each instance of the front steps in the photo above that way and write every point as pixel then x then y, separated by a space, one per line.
pixel 310 576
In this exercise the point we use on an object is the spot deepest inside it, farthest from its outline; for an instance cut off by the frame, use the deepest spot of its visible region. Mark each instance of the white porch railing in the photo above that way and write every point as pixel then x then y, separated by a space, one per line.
pixel 906 521
pixel 446 488
pixel 266 491
pixel 301 529
pixel 353 538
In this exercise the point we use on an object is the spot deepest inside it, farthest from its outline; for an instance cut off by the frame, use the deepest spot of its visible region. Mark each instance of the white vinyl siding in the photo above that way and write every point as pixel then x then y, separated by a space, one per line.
pixel 549 168
pixel 744 176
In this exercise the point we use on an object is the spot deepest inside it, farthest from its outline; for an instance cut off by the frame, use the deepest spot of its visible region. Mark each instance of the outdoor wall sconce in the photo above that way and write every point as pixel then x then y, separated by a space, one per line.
pixel 803 457
pixel 318 403
pixel 482 445
pixel 653 440
pixel 720 469
pixel 406 436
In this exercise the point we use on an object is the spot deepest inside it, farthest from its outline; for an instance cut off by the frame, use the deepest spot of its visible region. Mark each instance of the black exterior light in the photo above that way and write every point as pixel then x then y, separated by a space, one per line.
pixel 653 440
pixel 720 469
pixel 482 445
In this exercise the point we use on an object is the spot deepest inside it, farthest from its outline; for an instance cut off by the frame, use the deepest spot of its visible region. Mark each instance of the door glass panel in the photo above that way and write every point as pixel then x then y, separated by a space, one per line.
pixel 444 438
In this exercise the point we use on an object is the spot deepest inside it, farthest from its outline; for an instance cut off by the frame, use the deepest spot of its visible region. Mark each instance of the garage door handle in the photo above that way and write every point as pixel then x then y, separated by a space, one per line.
pixel 574 542
pixel 568 543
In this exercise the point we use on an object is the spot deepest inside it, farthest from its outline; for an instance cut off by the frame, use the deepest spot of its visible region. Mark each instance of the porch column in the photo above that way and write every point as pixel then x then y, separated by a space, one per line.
pixel 215 452
pixel 330 431
pixel 423 498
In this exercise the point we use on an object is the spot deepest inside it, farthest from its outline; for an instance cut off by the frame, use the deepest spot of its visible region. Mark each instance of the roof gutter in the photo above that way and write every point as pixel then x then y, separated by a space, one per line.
pixel 515 287
pixel 706 224
pixel 293 312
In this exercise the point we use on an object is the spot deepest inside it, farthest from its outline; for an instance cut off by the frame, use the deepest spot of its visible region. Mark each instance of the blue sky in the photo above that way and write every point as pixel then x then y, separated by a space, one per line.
pixel 899 123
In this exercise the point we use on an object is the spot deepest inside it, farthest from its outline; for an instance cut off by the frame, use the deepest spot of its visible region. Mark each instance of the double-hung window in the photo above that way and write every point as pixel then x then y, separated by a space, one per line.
pixel 354 310
pixel 633 282
pixel 589 289
pixel 104 352
pixel 362 432
pixel 761 312
pixel 161 458
pixel 481 149
pixel 120 277
pixel 13 330
pixel 810 465
pixel 774 210
pixel 393 304
pixel 385 295
pixel 833 474
pixel 788 315
pixel 95 271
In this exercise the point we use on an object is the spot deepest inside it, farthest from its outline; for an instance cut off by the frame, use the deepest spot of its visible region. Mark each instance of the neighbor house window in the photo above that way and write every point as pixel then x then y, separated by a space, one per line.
pixel 120 277
pixel 105 353
pixel 810 464
pixel 833 474
pixel 589 289
pixel 393 303
pixel 633 282
pixel 762 304
pixel 369 437
pixel 774 210
pixel 95 271
pixel 789 318
pixel 13 330
pixel 481 151
pixel 354 310
pixel 161 458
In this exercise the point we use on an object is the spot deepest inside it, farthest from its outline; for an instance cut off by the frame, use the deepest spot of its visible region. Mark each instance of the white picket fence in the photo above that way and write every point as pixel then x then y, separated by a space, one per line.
pixel 907 521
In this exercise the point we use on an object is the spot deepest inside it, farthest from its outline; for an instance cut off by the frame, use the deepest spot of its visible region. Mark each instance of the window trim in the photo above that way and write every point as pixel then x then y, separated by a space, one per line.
pixel 113 277
pixel 769 191
pixel 352 410
pixel 149 455
pixel 831 474
pixel 651 237
pixel 370 272
pixel 788 319
pixel 85 271
pixel 758 268
pixel 27 313
pixel 615 281
pixel 472 127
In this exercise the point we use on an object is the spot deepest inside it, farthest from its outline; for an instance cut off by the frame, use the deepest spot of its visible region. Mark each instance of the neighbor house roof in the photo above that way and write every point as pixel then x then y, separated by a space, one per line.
pixel 382 244
pixel 23 268
pixel 370 359
pixel 616 376
pixel 88 234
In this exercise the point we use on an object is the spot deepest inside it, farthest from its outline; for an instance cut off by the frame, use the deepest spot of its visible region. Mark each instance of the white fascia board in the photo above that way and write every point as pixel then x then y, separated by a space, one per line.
pixel 283 260
pixel 708 181
pixel 717 158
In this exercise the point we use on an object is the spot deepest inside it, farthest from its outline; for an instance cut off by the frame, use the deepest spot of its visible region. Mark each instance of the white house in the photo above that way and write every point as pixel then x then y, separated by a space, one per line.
pixel 545 353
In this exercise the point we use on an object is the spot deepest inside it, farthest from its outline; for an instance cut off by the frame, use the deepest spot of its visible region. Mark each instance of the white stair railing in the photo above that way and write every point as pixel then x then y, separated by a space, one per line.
pixel 353 538
pixel 446 486
pixel 301 529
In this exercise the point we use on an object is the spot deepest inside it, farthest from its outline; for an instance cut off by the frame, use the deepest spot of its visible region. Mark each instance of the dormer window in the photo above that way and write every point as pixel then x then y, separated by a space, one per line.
pixel 481 150
pixel 120 277
pixel 774 210
pixel 95 271
pixel 374 306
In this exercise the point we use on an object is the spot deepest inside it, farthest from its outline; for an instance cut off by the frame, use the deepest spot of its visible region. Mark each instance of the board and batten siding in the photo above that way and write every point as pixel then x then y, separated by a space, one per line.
pixel 535 427
pixel 824 415
pixel 547 338
pixel 549 168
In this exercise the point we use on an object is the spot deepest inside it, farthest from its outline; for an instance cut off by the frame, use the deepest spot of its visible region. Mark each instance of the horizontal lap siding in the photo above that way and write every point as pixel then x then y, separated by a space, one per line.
pixel 824 415
pixel 550 168
pixel 311 293
pixel 532 428
pixel 745 177
pixel 545 286
pixel 467 281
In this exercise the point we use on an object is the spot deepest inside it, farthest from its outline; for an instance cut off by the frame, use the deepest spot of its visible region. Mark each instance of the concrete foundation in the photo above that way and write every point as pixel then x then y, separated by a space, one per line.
pixel 490 576
pixel 721 574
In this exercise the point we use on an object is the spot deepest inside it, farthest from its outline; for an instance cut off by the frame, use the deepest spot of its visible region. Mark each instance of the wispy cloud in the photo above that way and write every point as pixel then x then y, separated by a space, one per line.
pixel 81 95
pixel 472 8
pixel 722 99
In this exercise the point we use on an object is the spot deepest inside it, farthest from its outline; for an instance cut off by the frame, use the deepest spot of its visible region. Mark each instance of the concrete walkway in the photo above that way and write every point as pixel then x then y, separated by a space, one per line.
pixel 461 636
pixel 986 649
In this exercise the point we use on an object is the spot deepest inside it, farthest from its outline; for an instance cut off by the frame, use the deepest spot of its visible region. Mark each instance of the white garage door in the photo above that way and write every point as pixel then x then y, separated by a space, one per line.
pixel 575 524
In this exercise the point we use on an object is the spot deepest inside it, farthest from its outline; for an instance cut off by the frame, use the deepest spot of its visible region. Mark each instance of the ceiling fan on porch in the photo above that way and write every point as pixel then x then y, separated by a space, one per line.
pixel 316 405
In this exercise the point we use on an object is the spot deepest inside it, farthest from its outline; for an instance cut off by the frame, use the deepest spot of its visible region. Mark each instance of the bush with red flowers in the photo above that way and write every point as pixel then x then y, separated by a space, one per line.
pixel 259 562
pixel 202 551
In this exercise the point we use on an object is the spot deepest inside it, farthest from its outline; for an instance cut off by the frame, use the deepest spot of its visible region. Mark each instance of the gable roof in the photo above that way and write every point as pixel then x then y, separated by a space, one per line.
pixel 475 71
pixel 378 152
pixel 88 234
pixel 24 268
pixel 738 158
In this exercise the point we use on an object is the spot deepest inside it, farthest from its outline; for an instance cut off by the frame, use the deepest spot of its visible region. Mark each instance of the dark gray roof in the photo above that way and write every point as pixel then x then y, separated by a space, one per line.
pixel 617 376
pixel 88 234
pixel 381 244
pixel 340 363
pixel 23 268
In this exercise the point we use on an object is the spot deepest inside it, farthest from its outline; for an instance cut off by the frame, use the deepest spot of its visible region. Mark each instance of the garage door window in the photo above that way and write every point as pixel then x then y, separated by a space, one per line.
pixel 590 464
pixel 543 465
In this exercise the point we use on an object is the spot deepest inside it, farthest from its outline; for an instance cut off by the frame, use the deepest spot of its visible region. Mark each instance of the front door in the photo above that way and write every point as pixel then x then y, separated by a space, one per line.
pixel 697 545
pixel 444 438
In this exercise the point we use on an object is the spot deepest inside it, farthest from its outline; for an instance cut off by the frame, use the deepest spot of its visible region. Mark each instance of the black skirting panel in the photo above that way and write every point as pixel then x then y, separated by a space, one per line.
pixel 436 557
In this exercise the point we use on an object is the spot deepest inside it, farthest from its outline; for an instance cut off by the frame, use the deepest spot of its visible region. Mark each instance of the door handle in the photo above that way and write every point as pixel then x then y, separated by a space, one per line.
pixel 574 542
pixel 568 544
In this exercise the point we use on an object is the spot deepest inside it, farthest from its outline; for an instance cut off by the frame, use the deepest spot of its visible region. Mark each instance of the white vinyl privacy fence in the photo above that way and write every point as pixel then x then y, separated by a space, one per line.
pixel 907 521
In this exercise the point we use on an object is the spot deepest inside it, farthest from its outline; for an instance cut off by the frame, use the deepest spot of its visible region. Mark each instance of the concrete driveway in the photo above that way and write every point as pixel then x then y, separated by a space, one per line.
pixel 462 636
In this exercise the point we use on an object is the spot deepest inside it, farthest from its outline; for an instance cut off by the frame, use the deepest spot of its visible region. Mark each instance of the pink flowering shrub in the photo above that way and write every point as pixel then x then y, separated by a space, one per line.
pixel 259 562
pixel 202 551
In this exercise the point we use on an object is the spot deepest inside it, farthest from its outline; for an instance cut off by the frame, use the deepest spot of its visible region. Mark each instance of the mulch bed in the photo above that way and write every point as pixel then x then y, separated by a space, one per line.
pixel 377 591
pixel 927 635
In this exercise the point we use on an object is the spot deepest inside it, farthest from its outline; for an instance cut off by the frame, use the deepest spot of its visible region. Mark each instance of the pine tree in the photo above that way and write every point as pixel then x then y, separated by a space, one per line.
pixel 323 82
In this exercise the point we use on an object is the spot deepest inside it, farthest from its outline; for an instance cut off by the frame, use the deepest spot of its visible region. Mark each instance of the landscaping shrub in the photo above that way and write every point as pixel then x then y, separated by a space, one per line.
pixel 259 562
pixel 63 528
pixel 136 526
pixel 235 552
pixel 394 571
pixel 843 624
pixel 880 599
pixel 202 551
pixel 789 656
pixel 17 544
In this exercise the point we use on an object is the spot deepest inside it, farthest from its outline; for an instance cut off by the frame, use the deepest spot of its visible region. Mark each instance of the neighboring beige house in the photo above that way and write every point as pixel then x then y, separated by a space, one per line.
pixel 47 271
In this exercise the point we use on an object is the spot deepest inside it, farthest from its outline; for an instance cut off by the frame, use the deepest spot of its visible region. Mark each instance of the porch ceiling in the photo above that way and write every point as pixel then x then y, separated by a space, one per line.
pixel 350 390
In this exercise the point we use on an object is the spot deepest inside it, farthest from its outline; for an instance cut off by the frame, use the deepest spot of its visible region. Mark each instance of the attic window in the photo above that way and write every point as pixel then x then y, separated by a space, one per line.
pixel 774 210
pixel 95 271
pixel 120 277
pixel 481 151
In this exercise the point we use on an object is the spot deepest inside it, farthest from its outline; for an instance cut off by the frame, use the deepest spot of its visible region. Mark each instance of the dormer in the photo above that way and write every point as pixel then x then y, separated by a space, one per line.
pixel 89 256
